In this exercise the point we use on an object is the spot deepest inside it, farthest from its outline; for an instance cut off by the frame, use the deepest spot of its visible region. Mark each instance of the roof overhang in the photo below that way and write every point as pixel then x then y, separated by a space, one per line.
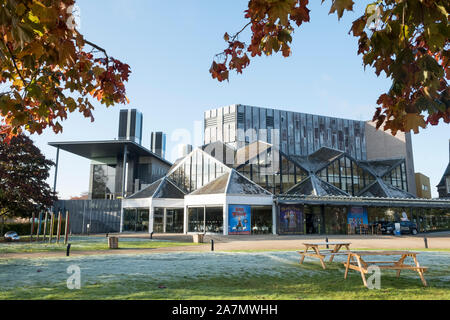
pixel 364 201
pixel 104 149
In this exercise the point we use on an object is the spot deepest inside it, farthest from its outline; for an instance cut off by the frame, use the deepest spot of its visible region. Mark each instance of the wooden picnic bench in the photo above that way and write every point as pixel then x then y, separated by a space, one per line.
pixel 356 262
pixel 316 252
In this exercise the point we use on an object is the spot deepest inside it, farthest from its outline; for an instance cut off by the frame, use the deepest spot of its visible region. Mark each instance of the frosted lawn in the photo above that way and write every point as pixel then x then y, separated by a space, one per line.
pixel 160 267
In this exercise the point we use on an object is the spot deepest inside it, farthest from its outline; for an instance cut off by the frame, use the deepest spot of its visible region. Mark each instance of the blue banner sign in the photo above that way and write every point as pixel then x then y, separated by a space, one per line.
pixel 239 219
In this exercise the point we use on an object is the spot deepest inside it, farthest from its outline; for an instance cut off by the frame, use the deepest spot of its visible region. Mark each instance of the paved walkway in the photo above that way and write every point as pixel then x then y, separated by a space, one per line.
pixel 439 240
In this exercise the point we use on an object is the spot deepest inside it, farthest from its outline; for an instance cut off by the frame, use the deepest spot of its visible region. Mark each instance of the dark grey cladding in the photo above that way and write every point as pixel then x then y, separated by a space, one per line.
pixel 238 184
pixel 313 186
pixel 379 189
pixel 232 183
pixel 317 160
pixel 217 186
pixel 162 188
pixel 380 167
pixel 444 176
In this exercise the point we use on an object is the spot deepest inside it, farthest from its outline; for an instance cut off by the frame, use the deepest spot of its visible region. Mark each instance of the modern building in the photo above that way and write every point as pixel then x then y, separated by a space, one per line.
pixel 247 182
pixel 158 143
pixel 444 184
pixel 301 134
pixel 122 166
pixel 423 186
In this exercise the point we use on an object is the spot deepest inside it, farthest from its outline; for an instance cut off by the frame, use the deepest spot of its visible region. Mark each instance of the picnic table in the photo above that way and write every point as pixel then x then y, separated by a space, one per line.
pixel 356 262
pixel 316 252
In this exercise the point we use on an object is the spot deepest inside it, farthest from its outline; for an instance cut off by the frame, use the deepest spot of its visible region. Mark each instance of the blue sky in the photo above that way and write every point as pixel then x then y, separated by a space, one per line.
pixel 170 46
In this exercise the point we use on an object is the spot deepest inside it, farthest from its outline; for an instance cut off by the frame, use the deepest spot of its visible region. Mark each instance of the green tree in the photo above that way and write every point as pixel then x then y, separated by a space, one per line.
pixel 408 40
pixel 23 174
pixel 49 70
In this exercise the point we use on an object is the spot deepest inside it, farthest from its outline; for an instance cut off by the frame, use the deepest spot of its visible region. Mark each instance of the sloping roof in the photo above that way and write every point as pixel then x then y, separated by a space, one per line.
pixel 318 159
pixel 214 187
pixel 162 188
pixel 380 189
pixel 105 149
pixel 380 167
pixel 315 186
pixel 239 184
pixel 232 183
pixel 446 174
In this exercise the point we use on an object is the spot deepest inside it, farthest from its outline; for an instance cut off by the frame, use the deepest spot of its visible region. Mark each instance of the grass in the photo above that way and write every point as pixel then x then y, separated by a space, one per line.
pixel 236 276
pixel 291 286
pixel 354 249
pixel 92 244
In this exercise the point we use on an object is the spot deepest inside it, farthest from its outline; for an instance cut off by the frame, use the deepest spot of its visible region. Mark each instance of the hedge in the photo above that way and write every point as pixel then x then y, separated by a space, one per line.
pixel 24 229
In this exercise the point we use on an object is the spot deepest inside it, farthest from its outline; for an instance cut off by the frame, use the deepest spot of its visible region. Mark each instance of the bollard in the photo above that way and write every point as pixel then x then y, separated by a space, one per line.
pixel 32 227
pixel 212 245
pixel 68 250
pixel 151 235
pixel 326 240
pixel 426 242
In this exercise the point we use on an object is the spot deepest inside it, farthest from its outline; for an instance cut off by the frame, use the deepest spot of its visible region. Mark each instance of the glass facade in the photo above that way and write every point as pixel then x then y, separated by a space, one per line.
pixel 135 220
pixel 261 220
pixel 158 220
pixel 291 219
pixel 346 175
pixel 174 220
pixel 209 219
pixel 103 181
pixel 335 220
pixel 397 177
pixel 214 219
pixel 275 176
pixel 197 170
pixel 196 220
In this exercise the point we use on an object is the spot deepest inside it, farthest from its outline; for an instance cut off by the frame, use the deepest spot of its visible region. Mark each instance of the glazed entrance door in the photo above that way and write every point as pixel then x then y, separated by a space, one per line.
pixel 174 220
pixel 310 228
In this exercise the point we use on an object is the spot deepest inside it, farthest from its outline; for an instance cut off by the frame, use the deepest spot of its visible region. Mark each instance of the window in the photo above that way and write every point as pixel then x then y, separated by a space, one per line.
pixel 346 175
pixel 448 184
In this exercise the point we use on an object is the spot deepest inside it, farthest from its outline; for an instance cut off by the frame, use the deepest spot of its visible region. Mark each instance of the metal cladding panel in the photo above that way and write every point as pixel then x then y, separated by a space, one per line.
pixel 363 142
pixel 309 132
pixel 303 135
pixel 283 124
pixel 297 129
pixel 255 124
pixel 248 123
pixel 219 124
pixel 262 134
pixel 122 134
pixel 102 215
pixel 322 131
pixel 352 139
pixel 316 132
pixel 290 125
pixel 133 123
pixel 276 126
pixel 340 132
pixel 346 136
pixel 207 135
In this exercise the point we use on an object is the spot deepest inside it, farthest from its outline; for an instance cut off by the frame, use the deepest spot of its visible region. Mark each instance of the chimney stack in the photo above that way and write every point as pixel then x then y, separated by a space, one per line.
pixel 158 143
pixel 130 125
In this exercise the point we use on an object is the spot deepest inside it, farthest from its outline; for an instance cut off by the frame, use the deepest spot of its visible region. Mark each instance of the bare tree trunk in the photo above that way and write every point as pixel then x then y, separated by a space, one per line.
pixel 2 226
